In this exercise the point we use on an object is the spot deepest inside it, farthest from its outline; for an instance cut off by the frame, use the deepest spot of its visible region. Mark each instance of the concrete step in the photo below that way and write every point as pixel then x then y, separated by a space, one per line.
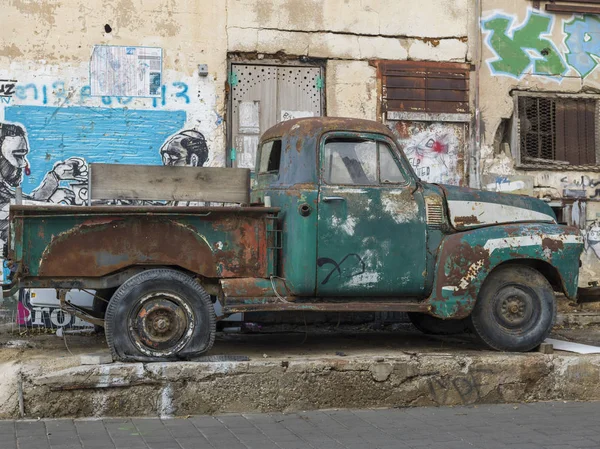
pixel 277 385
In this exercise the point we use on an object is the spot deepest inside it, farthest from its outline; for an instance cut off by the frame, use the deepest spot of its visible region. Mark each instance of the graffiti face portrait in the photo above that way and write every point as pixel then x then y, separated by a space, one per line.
pixel 187 148
pixel 13 153
pixel 593 238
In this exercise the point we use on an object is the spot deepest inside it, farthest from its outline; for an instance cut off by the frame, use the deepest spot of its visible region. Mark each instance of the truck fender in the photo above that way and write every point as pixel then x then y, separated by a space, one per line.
pixel 465 260
pixel 102 246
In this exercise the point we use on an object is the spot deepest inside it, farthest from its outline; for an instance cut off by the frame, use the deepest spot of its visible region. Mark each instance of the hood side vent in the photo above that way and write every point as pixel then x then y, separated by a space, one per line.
pixel 435 212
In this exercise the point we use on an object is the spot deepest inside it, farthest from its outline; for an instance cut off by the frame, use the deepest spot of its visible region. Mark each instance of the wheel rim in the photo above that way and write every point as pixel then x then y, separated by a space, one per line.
pixel 161 324
pixel 515 307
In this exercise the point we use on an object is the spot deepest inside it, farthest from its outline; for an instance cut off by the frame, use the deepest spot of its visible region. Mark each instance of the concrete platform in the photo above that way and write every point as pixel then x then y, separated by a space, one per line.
pixel 287 373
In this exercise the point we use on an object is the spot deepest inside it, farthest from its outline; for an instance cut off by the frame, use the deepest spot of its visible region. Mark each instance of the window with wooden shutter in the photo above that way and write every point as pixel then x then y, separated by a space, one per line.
pixel 424 86
pixel 555 131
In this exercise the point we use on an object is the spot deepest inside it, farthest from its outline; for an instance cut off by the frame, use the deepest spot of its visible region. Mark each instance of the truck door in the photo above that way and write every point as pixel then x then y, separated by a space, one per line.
pixel 371 220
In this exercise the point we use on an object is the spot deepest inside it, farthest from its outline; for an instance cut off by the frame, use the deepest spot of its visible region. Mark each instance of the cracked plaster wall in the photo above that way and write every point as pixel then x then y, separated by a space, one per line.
pixel 348 34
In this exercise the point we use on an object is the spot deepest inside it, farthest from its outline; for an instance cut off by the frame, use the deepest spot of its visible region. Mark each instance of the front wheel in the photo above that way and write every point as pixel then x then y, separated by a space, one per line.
pixel 515 309
pixel 159 315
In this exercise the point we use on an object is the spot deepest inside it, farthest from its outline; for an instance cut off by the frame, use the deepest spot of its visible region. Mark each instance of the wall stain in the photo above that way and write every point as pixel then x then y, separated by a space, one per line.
pixel 11 51
pixel 42 8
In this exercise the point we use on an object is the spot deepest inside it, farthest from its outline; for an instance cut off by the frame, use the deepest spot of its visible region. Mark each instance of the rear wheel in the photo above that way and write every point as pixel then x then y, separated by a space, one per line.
pixel 515 309
pixel 159 315
pixel 436 326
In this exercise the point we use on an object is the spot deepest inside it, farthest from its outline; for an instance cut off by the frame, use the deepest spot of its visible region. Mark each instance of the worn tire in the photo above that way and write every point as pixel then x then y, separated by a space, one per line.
pixel 436 326
pixel 159 315
pixel 515 309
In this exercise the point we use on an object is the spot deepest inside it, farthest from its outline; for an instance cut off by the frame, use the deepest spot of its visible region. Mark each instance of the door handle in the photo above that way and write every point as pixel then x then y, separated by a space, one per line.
pixel 327 199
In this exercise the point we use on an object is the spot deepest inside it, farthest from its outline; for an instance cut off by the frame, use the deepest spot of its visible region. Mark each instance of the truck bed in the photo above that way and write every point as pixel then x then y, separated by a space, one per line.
pixel 55 243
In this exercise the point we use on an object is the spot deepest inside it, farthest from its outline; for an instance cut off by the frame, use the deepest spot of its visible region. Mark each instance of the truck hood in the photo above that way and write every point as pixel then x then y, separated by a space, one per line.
pixel 469 208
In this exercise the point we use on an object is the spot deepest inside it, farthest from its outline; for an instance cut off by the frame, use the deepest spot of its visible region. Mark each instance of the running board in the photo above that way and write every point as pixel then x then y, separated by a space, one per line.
pixel 277 305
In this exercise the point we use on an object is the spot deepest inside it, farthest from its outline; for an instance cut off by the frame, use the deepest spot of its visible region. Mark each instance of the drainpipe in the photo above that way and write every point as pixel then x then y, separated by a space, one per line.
pixel 476 156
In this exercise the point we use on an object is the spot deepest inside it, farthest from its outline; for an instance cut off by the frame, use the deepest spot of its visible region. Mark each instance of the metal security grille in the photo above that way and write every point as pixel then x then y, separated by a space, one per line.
pixel 557 130
pixel 537 124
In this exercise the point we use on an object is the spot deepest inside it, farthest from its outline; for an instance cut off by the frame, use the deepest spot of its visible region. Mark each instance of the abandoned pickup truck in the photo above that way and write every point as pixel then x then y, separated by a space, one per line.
pixel 337 221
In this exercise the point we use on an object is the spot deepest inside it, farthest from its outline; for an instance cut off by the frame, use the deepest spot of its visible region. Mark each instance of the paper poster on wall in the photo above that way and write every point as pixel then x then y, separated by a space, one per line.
pixel 117 71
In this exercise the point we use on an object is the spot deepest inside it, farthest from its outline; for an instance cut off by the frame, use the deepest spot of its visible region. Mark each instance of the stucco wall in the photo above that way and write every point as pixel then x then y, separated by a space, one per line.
pixel 348 34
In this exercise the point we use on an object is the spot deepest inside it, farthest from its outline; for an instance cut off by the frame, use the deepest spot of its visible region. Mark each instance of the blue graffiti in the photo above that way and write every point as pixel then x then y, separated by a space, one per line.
pixel 583 43
pixel 109 135
pixel 183 92
pixel 57 92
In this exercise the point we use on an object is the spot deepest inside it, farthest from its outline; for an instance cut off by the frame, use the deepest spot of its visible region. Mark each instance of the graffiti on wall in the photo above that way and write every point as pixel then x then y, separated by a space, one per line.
pixel 58 92
pixel 580 186
pixel 523 47
pixel 51 131
pixel 46 151
pixel 7 90
pixel 432 149
pixel 526 47
pixel 592 238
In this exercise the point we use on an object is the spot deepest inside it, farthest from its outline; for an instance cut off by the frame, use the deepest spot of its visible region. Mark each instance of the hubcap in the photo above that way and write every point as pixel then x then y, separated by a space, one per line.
pixel 514 307
pixel 161 322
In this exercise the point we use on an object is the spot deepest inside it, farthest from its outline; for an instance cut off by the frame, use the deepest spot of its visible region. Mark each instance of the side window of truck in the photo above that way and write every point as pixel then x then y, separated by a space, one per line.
pixel 270 157
pixel 359 162
pixel 389 172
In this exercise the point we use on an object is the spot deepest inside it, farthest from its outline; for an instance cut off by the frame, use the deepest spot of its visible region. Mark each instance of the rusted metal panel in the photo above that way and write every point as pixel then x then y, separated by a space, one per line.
pixel 465 260
pixel 80 242
pixel 252 290
pixel 576 141
pixel 415 86
pixel 311 127
pixel 573 9
pixel 366 306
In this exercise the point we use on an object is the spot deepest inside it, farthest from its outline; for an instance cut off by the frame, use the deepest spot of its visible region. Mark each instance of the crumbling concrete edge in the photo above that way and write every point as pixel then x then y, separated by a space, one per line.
pixel 185 388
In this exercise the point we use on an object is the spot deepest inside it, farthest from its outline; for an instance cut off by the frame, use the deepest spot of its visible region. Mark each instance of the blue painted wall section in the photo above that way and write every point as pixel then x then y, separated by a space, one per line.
pixel 583 42
pixel 51 131
pixel 108 135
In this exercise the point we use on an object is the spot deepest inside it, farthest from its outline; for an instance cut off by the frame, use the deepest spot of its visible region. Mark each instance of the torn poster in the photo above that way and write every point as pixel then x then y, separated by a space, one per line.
pixel 117 71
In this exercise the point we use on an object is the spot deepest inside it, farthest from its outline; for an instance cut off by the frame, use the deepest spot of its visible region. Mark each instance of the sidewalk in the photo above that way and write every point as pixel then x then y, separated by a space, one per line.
pixel 525 426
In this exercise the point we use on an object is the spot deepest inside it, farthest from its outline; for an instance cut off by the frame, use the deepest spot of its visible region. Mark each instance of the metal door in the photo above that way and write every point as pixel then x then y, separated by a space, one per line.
pixel 371 220
pixel 264 95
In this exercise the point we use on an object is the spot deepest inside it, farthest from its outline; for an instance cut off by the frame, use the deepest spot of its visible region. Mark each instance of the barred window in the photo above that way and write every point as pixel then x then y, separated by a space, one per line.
pixel 560 131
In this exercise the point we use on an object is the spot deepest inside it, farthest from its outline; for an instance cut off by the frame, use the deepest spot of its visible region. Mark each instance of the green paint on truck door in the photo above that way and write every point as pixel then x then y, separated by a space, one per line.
pixel 371 228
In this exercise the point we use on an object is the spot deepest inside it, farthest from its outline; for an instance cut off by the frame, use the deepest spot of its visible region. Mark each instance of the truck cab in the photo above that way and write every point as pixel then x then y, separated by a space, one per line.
pixel 358 223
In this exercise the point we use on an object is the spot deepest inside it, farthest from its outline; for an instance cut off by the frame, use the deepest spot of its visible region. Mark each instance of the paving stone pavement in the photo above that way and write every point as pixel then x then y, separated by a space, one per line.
pixel 555 425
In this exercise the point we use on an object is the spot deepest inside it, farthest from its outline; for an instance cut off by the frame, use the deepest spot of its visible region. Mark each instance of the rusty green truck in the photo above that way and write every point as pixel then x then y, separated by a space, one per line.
pixel 348 227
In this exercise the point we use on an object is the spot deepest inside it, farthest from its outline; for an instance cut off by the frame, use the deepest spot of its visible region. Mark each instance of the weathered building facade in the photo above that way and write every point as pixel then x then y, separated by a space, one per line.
pixel 492 93
pixel 539 109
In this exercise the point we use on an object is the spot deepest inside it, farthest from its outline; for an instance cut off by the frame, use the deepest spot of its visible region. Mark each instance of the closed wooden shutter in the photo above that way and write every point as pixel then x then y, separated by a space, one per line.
pixel 576 131
pixel 431 87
